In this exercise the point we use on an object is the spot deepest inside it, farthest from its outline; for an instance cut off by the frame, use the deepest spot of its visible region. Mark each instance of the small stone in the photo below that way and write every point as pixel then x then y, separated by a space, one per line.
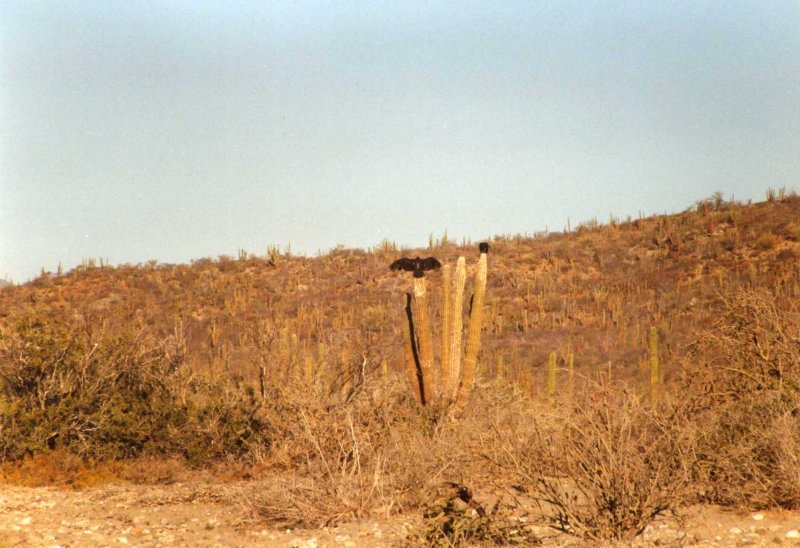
pixel 758 517
pixel 349 544
pixel 26 520
pixel 735 531
pixel 794 533
pixel 122 540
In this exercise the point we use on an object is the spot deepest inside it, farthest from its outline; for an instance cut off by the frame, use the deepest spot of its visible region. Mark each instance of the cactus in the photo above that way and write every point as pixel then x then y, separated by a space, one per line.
pixel 410 352
pixel 473 335
pixel 345 373
pixel 571 371
pixel 551 377
pixel 446 333
pixel 655 367
pixel 308 370
pixel 430 383
pixel 452 373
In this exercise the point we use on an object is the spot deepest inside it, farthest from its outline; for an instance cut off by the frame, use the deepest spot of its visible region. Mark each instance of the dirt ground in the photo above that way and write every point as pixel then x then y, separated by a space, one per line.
pixel 206 514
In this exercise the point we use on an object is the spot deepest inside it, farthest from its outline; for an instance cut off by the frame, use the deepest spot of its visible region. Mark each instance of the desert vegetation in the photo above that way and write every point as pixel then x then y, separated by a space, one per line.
pixel 603 376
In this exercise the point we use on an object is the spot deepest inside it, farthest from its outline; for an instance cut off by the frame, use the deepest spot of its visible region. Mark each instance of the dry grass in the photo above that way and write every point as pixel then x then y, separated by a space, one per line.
pixel 58 468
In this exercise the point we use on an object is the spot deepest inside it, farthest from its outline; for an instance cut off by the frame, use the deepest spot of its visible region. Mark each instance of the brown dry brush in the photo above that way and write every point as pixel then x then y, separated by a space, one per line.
pixel 742 385
pixel 375 455
pixel 601 468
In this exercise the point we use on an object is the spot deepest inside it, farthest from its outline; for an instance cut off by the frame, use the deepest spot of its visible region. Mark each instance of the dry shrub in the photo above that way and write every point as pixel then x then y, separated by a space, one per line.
pixel 766 241
pixel 110 396
pixel 603 468
pixel 297 502
pixel 742 379
pixel 377 453
pixel 792 231
pixel 334 460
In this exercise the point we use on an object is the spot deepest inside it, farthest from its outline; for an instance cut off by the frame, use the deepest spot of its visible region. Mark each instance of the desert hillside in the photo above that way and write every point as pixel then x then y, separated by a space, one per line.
pixel 627 370
pixel 593 292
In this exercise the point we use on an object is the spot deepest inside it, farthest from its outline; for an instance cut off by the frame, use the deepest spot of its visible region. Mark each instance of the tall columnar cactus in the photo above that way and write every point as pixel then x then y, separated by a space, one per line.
pixel 430 384
pixel 446 334
pixel 452 374
pixel 308 370
pixel 551 376
pixel 424 343
pixel 655 367
pixel 571 370
pixel 473 332
pixel 410 352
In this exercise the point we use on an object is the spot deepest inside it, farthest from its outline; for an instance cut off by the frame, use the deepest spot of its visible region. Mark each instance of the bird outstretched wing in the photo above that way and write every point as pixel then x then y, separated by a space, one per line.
pixel 431 263
pixel 404 264
pixel 417 266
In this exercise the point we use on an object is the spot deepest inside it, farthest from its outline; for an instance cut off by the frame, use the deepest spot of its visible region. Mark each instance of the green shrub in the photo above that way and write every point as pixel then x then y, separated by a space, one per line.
pixel 104 395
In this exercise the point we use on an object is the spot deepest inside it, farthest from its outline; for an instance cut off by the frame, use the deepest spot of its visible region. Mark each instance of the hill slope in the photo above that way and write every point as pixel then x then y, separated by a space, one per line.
pixel 593 293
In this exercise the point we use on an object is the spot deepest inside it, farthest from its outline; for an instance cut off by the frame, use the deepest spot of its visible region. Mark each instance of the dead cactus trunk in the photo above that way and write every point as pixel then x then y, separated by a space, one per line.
pixel 424 342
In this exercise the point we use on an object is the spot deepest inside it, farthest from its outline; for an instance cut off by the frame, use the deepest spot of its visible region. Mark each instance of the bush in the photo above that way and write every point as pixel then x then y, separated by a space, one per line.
pixel 377 453
pixel 766 242
pixel 338 461
pixel 603 469
pixel 742 386
pixel 99 395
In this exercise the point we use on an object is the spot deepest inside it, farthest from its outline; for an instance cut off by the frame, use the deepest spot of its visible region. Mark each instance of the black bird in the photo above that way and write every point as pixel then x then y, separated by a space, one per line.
pixel 417 266
pixel 484 247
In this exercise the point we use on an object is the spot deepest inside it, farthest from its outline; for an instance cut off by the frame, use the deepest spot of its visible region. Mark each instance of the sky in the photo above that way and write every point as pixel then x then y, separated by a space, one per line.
pixel 132 131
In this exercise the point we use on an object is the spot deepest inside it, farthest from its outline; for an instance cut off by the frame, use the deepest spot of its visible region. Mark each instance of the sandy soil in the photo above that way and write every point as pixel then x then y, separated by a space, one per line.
pixel 204 514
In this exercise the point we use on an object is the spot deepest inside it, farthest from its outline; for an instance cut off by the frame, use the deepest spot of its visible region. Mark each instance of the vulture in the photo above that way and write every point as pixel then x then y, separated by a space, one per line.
pixel 417 266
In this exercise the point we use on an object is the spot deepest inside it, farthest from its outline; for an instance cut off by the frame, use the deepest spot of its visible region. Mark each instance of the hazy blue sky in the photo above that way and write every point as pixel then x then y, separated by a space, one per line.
pixel 178 130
